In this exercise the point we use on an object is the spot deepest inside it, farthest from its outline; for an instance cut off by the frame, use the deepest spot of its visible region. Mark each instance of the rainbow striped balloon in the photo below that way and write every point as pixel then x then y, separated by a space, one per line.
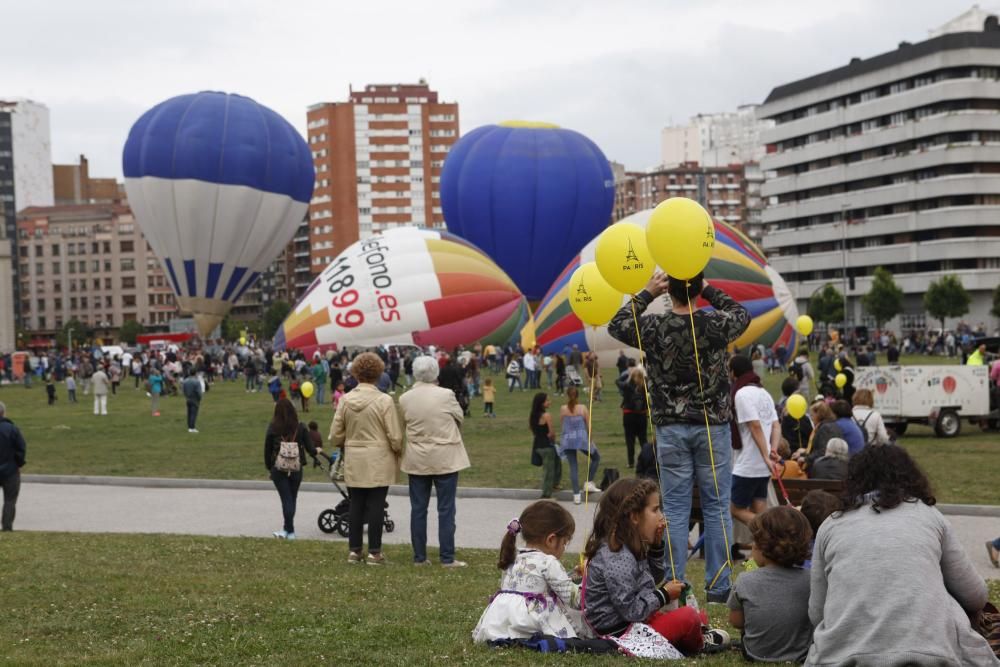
pixel 406 287
pixel 738 267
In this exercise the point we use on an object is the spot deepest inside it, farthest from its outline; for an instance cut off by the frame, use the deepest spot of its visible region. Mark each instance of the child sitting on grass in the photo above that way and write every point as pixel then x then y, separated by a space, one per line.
pixel 536 595
pixel 816 507
pixel 771 604
pixel 624 587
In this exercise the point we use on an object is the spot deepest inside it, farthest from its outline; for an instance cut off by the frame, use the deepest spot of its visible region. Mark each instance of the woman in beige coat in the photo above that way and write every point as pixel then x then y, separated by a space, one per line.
pixel 434 455
pixel 366 426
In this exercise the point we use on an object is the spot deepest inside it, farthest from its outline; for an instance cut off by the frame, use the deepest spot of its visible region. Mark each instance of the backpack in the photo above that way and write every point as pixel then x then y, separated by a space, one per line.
pixel 796 371
pixel 287 460
pixel 611 475
pixel 869 439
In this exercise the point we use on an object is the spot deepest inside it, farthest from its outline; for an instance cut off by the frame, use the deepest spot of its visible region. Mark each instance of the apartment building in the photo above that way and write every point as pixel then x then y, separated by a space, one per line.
pixel 88 262
pixel 715 139
pixel 889 161
pixel 378 160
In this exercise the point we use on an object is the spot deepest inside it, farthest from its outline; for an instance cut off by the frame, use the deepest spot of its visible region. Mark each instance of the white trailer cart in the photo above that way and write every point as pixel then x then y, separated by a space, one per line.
pixel 939 396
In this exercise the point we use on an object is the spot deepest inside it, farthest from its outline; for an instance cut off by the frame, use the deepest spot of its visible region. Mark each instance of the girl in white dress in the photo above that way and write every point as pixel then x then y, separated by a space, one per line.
pixel 536 595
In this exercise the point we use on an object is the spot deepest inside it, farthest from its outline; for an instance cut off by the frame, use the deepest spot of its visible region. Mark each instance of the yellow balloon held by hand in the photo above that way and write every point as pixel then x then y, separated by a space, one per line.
pixel 623 257
pixel 307 389
pixel 837 366
pixel 840 380
pixel 804 325
pixel 796 406
pixel 681 237
pixel 590 296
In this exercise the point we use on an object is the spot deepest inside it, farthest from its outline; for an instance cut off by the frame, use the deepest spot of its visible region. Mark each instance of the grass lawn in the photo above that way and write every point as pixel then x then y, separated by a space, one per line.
pixel 69 439
pixel 174 600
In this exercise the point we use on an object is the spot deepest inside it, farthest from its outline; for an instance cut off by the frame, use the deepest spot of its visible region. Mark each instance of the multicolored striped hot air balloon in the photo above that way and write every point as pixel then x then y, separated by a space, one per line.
pixel 406 286
pixel 737 266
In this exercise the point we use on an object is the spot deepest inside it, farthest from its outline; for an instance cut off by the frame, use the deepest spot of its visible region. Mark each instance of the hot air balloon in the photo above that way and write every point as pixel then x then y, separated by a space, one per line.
pixel 529 194
pixel 737 266
pixel 218 184
pixel 406 286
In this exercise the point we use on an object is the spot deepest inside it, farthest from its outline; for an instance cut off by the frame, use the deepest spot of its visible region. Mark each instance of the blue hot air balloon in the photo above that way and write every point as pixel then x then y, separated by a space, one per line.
pixel 218 183
pixel 530 195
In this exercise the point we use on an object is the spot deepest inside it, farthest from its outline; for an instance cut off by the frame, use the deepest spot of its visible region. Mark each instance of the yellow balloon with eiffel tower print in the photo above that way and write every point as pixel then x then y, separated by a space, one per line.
pixel 681 237
pixel 591 297
pixel 623 257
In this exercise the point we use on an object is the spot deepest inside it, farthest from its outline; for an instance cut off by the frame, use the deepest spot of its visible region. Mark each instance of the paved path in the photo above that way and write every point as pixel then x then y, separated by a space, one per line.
pixel 253 510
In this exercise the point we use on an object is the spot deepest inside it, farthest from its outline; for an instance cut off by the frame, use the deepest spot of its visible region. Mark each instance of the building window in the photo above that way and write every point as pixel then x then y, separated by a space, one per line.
pixel 107 282
pixel 128 300
pixel 38 251
pixel 128 282
pixel 126 246
pixel 55 250
pixel 128 265
pixel 56 268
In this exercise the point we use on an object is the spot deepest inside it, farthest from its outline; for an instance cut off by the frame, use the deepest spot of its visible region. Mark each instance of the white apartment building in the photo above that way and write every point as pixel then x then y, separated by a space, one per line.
pixel 715 139
pixel 889 161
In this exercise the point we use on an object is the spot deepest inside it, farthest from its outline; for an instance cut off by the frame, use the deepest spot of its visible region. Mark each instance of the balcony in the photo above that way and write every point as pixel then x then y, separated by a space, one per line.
pixel 887 255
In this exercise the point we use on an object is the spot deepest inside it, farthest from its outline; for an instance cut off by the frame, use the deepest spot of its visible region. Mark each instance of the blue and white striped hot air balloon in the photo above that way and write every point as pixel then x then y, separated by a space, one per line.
pixel 218 183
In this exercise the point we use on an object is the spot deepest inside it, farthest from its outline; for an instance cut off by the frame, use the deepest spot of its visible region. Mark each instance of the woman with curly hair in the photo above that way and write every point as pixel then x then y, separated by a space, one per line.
pixel 890 582
pixel 366 426
pixel 771 604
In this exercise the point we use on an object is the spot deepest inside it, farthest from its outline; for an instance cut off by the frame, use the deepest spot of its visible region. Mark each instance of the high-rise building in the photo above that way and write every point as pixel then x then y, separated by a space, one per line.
pixel 715 139
pixel 378 160
pixel 25 179
pixel 89 262
pixel 723 191
pixel 889 161
pixel 7 330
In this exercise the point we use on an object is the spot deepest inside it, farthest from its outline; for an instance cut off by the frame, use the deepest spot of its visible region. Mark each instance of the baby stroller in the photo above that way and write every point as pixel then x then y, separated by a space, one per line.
pixel 572 377
pixel 336 519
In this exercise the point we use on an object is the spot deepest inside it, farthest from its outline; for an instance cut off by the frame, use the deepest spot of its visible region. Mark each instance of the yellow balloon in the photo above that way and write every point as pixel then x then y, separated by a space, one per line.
pixel 796 406
pixel 591 297
pixel 243 341
pixel 307 389
pixel 804 324
pixel 837 366
pixel 840 380
pixel 681 237
pixel 623 258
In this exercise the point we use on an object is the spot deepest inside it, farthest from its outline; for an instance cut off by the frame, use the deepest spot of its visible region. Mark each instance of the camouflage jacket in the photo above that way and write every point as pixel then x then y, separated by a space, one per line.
pixel 666 340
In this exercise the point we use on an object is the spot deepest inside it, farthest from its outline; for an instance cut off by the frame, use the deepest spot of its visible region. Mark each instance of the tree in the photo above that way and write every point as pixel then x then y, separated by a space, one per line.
pixel 274 316
pixel 827 305
pixel 231 328
pixel 80 332
pixel 885 298
pixel 995 310
pixel 946 298
pixel 129 331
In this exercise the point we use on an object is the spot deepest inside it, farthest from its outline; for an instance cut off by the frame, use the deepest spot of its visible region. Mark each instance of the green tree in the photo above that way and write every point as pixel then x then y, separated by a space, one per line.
pixel 274 316
pixel 995 310
pixel 129 331
pixel 231 328
pixel 80 332
pixel 946 298
pixel 885 298
pixel 827 305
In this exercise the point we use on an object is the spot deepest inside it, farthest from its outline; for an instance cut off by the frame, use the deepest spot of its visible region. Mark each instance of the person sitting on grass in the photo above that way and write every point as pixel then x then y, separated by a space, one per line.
pixel 536 595
pixel 816 507
pixel 625 590
pixel 771 604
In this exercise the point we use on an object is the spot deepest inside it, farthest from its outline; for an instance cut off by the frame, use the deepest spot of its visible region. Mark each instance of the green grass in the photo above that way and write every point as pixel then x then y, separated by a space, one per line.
pixel 69 439
pixel 174 600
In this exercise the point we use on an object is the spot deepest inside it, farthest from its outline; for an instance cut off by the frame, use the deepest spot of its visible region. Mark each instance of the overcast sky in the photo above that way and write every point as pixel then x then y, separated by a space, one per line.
pixel 616 71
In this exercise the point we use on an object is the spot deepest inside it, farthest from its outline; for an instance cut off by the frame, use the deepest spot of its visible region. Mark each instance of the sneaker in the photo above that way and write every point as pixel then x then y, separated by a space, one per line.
pixel 715 640
pixel 717 598
pixel 156 414
pixel 354 558
pixel 576 499
pixel 375 559
pixel 289 536
pixel 455 563
pixel 194 430
pixel 421 563
pixel 280 534
pixel 593 488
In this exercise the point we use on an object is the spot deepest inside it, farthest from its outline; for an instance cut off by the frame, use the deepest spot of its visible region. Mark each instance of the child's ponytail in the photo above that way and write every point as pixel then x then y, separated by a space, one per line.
pixel 508 546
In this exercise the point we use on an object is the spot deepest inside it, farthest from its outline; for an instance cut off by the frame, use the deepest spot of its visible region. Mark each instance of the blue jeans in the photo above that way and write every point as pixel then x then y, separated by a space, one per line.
pixel 684 458
pixel 320 386
pixel 574 475
pixel 288 490
pixel 420 497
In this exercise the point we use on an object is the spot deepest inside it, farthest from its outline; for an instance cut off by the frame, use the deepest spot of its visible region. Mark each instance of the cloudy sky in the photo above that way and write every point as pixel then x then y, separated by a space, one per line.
pixel 616 71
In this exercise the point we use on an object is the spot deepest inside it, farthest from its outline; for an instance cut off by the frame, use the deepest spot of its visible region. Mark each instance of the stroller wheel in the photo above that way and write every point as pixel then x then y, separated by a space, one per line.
pixel 342 527
pixel 390 525
pixel 327 521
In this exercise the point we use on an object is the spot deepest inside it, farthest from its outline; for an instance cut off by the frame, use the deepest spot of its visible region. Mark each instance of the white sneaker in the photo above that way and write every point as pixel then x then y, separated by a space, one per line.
pixel 192 430
pixel 288 536
pixel 593 488
pixel 280 534
pixel 576 499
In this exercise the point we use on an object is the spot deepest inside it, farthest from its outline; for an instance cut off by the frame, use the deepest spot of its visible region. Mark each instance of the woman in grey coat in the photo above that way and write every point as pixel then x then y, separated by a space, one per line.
pixel 890 583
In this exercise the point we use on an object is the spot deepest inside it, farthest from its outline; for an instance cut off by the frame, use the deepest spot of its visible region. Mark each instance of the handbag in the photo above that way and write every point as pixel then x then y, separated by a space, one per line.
pixel 536 457
pixel 988 625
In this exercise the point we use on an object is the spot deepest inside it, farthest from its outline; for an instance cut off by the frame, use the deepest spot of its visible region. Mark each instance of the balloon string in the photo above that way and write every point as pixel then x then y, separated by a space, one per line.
pixel 649 422
pixel 590 427
pixel 711 452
